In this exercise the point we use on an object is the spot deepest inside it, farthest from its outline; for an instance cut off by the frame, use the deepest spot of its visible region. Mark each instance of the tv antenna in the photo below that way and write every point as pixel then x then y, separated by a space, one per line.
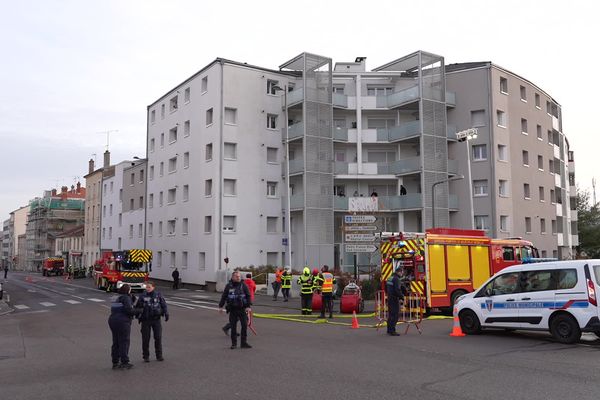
pixel 594 191
pixel 107 133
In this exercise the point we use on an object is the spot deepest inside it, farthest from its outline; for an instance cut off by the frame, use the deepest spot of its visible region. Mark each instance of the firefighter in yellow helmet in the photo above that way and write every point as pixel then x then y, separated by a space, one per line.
pixel 306 290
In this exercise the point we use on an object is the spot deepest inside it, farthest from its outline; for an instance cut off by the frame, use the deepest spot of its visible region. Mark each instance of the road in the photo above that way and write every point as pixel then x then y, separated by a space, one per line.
pixel 55 345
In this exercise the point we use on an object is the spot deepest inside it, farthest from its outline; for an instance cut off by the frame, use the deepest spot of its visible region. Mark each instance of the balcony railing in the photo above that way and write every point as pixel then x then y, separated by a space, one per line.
pixel 451 99
pixel 397 98
pixel 295 96
pixel 340 100
pixel 296 166
pixel 387 203
pixel 340 134
pixel 294 131
pixel 396 133
pixel 451 132
pixel 453 202
pixel 400 167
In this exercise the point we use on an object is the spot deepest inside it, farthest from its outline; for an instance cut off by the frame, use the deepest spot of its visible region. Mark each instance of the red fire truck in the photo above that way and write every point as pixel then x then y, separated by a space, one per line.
pixel 119 267
pixel 53 265
pixel 443 264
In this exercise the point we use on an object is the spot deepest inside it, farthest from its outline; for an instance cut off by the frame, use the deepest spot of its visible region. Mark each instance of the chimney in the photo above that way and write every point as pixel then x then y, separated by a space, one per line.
pixel 106 159
pixel 64 189
pixel 91 166
pixel 54 192
pixel 78 187
pixel 72 188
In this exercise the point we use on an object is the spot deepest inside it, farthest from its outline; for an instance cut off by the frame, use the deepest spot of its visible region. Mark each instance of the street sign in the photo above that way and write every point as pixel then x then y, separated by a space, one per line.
pixel 361 228
pixel 360 248
pixel 359 219
pixel 360 237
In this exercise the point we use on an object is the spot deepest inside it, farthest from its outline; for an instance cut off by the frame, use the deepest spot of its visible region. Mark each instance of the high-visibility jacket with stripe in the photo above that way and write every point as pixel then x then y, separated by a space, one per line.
pixel 306 284
pixel 328 281
pixel 286 281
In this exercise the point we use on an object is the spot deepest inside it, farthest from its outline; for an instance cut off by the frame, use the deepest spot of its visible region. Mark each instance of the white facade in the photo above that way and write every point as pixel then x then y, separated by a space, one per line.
pixel 113 226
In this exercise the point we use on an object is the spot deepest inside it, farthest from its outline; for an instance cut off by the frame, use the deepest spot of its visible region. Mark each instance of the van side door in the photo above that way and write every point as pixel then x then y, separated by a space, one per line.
pixel 498 302
pixel 537 297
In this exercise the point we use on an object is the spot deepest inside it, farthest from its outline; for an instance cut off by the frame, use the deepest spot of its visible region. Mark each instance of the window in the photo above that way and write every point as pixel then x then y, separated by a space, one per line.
pixel 208 152
pixel 184 259
pixel 208 187
pixel 141 202
pixel 161 169
pixel 550 138
pixel 173 104
pixel 503 85
pixel 501 116
pixel 186 192
pixel 271 154
pixel 151 172
pixel 503 284
pixel 186 95
pixel 131 204
pixel 504 223
pixel 186 159
pixel 502 153
pixel 103 233
pixel 526 158
pixel 130 231
pixel 524 93
pixel 204 84
pixel 160 228
pixel 184 226
pixel 162 111
pixel 202 261
pixel 527 224
pixel 160 199
pixel 552 196
pixel 481 222
pixel 229 187
pixel 229 223
pixel 172 164
pixel 271 86
pixel 544 254
pixel 230 151
pixel 543 226
pixel 132 180
pixel 551 166
pixel 159 259
pixel 272 224
pixel 119 243
pixel 271 121
pixel 173 262
pixel 120 220
pixel 477 118
pixel 537 281
pixel 151 200
pixel 141 176
pixel 524 126
pixel 186 128
pixel 537 100
pixel 542 193
pixel 379 90
pixel 553 225
pixel 230 116
pixel 162 140
pixel 110 212
pixel 104 211
pixel 540 163
pixel 526 191
pixel 153 116
pixel 207 224
pixel 140 230
pixel 171 196
pixel 338 89
pixel 539 132
pixel 172 135
pixel 152 144
pixel 171 225
pixel 480 187
pixel 503 188
pixel 209 117
pixel 508 253
pixel 271 189
pixel 479 152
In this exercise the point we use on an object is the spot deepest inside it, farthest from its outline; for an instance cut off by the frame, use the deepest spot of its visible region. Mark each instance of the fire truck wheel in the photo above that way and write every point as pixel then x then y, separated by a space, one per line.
pixel 456 295
pixel 565 328
pixel 597 334
pixel 469 322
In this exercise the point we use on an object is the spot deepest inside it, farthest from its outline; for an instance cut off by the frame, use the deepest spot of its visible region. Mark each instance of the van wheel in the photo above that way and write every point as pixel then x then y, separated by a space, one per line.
pixel 565 329
pixel 469 322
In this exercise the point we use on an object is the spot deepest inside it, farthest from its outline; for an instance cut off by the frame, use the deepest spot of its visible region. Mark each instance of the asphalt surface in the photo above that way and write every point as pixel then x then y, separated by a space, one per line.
pixel 57 346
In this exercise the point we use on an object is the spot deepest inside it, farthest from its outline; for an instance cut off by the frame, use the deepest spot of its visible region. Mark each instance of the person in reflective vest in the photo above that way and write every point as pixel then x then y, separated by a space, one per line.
pixel 306 290
pixel 316 281
pixel 286 284
pixel 277 283
pixel 326 282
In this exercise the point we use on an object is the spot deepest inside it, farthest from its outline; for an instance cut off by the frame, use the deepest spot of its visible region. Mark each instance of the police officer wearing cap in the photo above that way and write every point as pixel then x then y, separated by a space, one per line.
pixel 121 314
pixel 395 291
pixel 153 307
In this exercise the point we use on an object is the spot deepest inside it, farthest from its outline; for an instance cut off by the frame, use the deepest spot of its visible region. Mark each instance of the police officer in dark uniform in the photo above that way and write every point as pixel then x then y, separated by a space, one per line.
pixel 395 291
pixel 237 296
pixel 121 314
pixel 152 308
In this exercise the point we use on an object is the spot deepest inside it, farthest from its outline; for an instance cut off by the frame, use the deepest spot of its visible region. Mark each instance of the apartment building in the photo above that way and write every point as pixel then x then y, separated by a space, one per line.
pixel 5 244
pixel 522 169
pixel 18 225
pixel 69 245
pixel 93 199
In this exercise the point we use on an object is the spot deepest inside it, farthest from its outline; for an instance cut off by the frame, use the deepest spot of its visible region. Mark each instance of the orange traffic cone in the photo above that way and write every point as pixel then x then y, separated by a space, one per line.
pixel 355 324
pixel 456 330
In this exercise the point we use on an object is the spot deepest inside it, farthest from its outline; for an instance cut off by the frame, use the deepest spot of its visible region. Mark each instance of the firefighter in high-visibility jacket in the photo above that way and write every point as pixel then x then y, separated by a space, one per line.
pixel 286 284
pixel 306 290
pixel 326 280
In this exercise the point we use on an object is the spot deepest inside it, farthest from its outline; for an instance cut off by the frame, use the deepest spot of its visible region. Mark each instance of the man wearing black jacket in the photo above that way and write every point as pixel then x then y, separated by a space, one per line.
pixel 237 297
pixel 395 291
pixel 153 306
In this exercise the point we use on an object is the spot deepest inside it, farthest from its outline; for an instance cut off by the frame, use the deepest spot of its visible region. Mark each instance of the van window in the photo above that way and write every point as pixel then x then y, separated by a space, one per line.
pixel 508 254
pixel 597 273
pixel 503 284
pixel 567 278
pixel 538 281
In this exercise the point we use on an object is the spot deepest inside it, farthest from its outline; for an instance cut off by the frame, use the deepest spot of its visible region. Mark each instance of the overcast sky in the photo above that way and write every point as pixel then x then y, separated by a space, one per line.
pixel 71 69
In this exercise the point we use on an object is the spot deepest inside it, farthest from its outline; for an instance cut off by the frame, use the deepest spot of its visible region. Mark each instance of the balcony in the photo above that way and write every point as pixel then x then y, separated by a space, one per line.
pixel 574 215
pixel 295 131
pixel 340 100
pixel 451 99
pixel 341 135
pixel 400 167
pixel 295 96
pixel 296 202
pixel 410 201
pixel 396 133
pixel 296 166
pixel 399 98
pixel 453 202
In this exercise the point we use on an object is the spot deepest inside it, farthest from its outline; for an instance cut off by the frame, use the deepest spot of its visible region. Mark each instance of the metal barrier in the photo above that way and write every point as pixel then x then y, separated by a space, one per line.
pixel 411 310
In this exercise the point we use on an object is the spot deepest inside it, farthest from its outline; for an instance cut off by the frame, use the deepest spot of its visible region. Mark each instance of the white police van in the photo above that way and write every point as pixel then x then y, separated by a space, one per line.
pixel 556 296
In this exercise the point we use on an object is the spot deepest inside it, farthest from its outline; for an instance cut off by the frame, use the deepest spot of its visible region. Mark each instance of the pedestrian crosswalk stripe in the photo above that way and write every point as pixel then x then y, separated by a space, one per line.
pixel 47 304
pixel 97 300
pixel 21 307
pixel 72 302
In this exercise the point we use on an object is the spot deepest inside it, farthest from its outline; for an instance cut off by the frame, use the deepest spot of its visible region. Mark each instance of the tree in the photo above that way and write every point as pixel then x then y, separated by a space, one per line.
pixel 588 224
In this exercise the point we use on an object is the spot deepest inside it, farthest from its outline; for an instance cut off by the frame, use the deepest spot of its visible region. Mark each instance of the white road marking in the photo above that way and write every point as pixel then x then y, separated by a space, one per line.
pixel 190 306
pixel 21 307
pixel 199 296
pixel 31 291
pixel 72 301
pixel 47 304
pixel 184 289
pixel 199 290
pixel 96 300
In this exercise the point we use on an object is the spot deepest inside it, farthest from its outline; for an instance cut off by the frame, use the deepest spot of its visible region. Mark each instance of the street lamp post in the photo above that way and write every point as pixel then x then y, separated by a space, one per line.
pixel 466 136
pixel 453 178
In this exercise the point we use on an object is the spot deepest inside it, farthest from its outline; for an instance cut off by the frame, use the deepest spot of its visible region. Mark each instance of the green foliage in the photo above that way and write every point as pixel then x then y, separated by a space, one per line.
pixel 588 226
